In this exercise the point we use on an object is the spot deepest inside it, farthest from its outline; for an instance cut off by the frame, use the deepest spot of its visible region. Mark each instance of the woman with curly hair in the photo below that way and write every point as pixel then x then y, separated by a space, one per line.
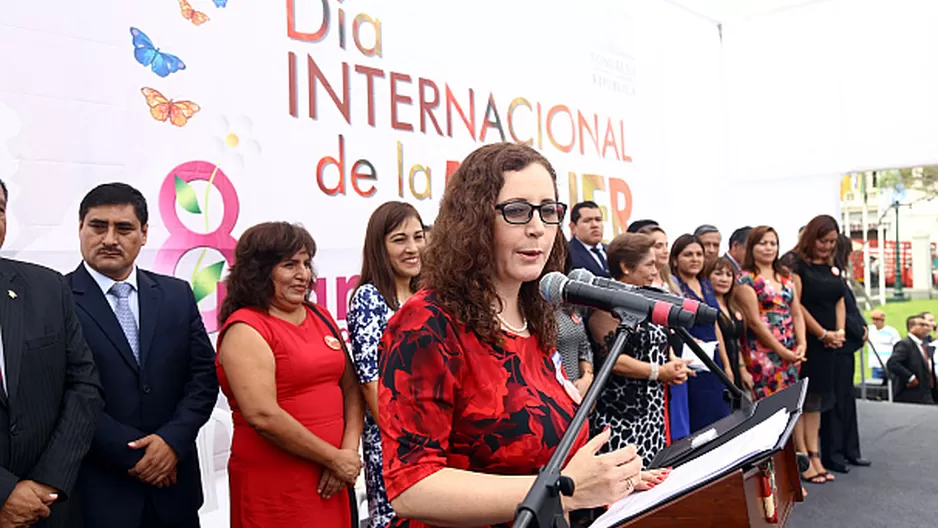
pixel 295 402
pixel 471 396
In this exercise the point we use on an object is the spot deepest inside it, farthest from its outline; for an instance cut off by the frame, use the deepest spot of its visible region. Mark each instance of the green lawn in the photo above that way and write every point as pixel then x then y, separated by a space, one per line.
pixel 896 314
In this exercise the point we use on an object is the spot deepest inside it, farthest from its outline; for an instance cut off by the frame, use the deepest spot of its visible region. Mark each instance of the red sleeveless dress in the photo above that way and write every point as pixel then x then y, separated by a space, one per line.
pixel 268 486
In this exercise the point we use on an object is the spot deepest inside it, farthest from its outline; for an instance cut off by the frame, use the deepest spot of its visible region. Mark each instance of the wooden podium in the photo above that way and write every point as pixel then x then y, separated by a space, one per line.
pixel 735 497
pixel 734 500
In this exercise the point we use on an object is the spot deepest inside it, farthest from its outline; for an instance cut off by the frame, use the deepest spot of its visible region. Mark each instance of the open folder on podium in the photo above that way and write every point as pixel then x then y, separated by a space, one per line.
pixel 709 456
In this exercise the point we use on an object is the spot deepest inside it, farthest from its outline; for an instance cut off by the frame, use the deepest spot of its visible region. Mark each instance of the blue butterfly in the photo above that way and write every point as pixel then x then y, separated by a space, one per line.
pixel 147 54
pixel 221 3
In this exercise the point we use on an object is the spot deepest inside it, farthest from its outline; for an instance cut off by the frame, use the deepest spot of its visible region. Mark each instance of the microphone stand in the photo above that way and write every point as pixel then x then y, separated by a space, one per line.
pixel 737 399
pixel 542 507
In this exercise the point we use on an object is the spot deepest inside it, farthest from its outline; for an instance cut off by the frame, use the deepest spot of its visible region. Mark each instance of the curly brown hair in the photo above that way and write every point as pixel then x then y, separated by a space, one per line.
pixel 458 264
pixel 258 251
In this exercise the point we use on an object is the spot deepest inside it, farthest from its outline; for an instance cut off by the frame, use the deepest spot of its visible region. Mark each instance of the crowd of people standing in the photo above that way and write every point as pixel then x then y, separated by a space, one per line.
pixel 460 379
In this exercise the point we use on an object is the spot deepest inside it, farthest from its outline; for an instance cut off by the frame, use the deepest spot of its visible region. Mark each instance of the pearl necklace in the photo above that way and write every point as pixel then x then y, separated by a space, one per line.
pixel 512 329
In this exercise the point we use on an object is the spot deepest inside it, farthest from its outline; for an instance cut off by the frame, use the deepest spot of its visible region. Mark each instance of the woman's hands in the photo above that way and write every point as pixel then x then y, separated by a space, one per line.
pixel 652 478
pixel 675 371
pixel 791 356
pixel 745 378
pixel 834 339
pixel 346 465
pixel 342 471
pixel 602 479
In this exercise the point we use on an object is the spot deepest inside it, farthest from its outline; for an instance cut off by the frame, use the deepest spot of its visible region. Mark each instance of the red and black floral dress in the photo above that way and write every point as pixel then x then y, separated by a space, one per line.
pixel 448 400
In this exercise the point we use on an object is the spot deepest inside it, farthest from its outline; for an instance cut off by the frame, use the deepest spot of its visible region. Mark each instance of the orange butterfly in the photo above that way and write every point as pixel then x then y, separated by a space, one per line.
pixel 161 108
pixel 196 17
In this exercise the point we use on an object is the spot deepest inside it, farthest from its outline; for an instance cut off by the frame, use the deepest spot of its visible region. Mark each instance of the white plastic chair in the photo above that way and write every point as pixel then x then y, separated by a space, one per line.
pixel 205 443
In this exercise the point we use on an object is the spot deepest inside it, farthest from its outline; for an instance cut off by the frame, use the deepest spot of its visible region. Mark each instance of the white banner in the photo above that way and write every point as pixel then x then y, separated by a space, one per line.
pixel 226 113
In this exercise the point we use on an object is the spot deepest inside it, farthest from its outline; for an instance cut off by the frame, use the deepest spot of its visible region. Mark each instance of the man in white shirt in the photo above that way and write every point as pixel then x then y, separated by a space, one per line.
pixel 882 338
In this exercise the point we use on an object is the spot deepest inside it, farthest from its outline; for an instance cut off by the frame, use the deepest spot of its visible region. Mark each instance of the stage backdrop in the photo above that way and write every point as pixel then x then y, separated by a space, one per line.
pixel 226 113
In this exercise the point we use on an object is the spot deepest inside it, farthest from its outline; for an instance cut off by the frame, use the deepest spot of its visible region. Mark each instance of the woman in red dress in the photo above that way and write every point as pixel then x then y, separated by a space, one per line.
pixel 472 398
pixel 295 403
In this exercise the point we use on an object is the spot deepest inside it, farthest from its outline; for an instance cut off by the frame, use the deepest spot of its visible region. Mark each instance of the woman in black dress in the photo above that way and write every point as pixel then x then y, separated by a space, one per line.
pixel 723 277
pixel 820 287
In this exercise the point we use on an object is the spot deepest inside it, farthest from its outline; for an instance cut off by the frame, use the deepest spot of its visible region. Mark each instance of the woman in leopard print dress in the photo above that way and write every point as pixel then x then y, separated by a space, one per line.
pixel 633 402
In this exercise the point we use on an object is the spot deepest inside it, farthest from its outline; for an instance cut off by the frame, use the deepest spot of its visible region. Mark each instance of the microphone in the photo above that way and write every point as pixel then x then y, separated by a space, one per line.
pixel 556 288
pixel 703 314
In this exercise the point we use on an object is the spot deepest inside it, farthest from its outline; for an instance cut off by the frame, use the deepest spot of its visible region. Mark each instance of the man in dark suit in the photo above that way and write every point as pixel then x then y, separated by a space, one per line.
pixel 711 238
pixel 50 397
pixel 157 368
pixel 911 364
pixel 840 430
pixel 930 342
pixel 737 250
pixel 586 244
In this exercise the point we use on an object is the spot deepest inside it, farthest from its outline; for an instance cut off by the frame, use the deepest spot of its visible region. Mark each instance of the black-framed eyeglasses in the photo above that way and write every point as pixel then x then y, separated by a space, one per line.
pixel 521 212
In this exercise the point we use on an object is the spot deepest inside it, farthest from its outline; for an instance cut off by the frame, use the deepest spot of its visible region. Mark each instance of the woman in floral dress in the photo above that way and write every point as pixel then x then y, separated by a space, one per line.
pixel 390 267
pixel 774 346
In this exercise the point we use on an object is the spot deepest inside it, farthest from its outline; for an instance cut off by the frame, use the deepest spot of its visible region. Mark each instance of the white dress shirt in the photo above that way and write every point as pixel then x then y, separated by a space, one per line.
pixel 918 348
pixel 883 341
pixel 105 283
pixel 593 253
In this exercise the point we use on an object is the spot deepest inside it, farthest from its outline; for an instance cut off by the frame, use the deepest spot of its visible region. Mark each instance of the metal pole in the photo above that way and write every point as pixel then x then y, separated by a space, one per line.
pixel 897 282
pixel 881 238
pixel 863 372
pixel 865 220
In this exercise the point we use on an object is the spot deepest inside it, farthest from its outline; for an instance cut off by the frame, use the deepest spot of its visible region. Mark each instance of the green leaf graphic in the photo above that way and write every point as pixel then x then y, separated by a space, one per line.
pixel 206 280
pixel 186 196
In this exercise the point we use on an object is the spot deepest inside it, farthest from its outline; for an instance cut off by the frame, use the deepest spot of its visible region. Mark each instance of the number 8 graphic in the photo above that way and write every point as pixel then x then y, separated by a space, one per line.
pixel 182 240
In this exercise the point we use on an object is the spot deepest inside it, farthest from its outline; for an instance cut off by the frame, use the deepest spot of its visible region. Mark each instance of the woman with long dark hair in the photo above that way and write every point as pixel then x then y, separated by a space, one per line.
pixel 722 275
pixel 471 395
pixel 775 345
pixel 705 390
pixel 295 404
pixel 820 288
pixel 391 264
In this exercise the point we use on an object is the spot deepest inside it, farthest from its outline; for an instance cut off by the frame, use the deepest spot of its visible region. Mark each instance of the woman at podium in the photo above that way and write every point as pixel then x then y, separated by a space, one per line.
pixel 472 399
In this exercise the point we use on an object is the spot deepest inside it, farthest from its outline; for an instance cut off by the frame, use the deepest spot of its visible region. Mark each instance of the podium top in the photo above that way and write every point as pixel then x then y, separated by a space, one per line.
pixel 754 443
pixel 701 442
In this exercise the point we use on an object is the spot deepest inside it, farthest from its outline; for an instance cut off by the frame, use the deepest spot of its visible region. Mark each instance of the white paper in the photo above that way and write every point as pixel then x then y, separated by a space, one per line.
pixel 709 348
pixel 761 438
